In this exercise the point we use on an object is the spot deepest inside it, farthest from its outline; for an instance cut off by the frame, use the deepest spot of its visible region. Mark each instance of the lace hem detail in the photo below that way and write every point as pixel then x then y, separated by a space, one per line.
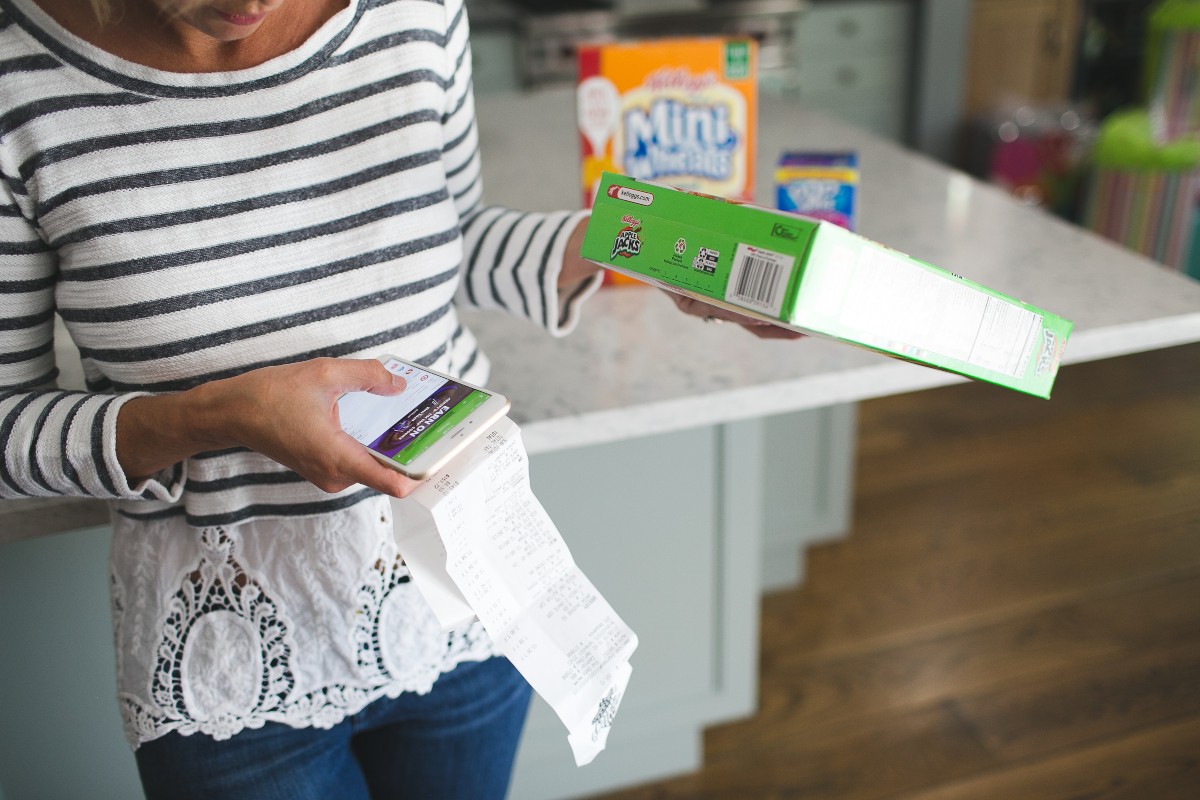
pixel 223 662
pixel 321 709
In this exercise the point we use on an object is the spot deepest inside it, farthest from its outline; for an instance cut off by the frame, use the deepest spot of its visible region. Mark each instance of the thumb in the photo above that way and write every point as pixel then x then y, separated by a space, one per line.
pixel 369 375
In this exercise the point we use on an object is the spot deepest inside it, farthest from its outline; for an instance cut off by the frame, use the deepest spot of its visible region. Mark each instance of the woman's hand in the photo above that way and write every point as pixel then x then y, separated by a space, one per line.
pixel 287 413
pixel 763 330
pixel 576 268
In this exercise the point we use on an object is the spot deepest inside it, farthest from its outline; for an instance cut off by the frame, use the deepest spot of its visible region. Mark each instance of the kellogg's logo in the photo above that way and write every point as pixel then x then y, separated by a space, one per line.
pixel 630 195
pixel 629 242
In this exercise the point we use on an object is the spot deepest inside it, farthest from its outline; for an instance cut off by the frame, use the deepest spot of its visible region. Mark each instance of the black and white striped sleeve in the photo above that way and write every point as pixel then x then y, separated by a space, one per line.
pixel 54 442
pixel 511 259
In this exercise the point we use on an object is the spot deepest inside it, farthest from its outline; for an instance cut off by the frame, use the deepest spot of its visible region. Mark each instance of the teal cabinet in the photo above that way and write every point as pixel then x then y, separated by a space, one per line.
pixel 682 532
pixel 854 60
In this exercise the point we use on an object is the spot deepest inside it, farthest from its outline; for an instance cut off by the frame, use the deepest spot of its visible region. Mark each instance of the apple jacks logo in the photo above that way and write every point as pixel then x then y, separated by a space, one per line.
pixel 1049 355
pixel 629 241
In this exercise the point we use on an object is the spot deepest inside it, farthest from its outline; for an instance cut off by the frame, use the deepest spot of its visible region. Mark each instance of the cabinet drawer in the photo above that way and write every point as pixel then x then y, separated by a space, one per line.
pixel 872 74
pixel 854 26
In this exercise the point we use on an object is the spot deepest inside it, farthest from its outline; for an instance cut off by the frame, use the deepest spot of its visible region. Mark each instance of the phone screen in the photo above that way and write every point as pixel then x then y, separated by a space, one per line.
pixel 403 426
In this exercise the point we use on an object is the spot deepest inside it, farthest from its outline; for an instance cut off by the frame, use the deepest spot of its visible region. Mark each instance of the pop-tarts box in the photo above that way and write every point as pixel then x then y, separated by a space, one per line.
pixel 819 278
pixel 823 186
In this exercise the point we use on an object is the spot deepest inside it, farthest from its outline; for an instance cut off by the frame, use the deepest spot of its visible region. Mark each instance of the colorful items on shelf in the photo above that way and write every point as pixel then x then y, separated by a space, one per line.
pixel 1145 186
pixel 1173 70
pixel 1144 193
pixel 1035 153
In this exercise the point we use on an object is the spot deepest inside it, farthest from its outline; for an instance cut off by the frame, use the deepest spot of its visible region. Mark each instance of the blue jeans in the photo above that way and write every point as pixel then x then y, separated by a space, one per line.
pixel 458 741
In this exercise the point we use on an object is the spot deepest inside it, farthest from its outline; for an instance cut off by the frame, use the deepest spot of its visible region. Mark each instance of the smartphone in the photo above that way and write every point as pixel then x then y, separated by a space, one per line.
pixel 420 429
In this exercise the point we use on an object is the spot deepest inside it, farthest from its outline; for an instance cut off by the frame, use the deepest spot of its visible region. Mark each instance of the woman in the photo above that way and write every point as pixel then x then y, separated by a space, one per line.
pixel 234 205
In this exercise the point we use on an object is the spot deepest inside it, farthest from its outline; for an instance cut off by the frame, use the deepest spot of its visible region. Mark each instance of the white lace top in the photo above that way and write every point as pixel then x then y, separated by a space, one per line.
pixel 189 227
pixel 302 622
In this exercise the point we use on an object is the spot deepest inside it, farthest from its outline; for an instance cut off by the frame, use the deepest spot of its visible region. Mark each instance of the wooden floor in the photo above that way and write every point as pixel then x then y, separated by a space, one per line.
pixel 1015 614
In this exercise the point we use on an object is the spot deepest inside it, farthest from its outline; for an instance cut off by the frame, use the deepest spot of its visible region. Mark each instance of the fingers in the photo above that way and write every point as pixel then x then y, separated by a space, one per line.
pixel 361 375
pixel 760 328
pixel 690 306
pixel 383 479
pixel 768 331
pixel 696 308
pixel 356 465
pixel 314 444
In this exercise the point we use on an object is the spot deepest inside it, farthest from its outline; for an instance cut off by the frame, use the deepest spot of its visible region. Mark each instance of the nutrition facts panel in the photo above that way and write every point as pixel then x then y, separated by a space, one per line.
pixel 896 302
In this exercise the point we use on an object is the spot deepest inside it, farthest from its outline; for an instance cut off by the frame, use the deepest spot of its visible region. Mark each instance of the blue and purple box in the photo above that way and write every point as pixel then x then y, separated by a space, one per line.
pixel 822 186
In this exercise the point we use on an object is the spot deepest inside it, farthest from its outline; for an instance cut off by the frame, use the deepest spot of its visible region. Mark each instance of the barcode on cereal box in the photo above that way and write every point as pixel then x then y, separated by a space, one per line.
pixel 758 278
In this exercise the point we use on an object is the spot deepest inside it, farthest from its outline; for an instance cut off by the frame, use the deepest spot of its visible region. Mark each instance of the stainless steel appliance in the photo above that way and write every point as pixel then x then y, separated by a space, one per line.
pixel 549 33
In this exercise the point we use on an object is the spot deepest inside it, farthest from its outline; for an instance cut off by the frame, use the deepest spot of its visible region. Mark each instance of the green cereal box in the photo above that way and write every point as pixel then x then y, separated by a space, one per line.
pixel 820 279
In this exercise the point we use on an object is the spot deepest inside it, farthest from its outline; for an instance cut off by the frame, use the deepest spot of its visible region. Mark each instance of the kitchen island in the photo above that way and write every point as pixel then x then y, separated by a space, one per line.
pixel 686 464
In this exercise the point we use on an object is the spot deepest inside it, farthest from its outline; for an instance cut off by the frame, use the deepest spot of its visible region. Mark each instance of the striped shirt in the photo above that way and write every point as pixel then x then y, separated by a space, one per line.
pixel 190 227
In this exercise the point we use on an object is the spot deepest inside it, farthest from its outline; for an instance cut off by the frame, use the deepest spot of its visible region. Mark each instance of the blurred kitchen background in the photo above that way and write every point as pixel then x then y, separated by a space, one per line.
pixel 1015 92
pixel 854 58
pixel 911 70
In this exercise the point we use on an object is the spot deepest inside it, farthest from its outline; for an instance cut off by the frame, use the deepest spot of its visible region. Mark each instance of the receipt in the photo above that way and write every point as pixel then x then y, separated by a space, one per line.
pixel 478 543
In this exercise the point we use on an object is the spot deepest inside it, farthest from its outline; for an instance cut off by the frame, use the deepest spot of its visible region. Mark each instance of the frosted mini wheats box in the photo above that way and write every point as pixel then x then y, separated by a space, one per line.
pixel 821 279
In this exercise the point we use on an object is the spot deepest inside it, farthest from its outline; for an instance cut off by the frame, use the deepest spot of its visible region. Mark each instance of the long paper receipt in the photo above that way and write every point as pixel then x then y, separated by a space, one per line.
pixel 478 543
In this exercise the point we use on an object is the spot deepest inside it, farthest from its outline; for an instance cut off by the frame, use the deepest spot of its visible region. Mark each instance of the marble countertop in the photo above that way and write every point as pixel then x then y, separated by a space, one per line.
pixel 636 366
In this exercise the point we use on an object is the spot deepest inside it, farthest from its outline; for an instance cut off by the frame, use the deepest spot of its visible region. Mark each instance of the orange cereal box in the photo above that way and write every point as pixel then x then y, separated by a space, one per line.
pixel 677 111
